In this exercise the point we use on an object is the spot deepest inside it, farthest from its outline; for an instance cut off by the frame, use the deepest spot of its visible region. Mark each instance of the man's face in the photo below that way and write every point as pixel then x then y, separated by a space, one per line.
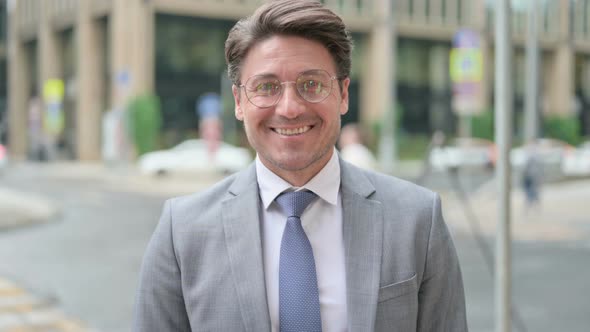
pixel 294 138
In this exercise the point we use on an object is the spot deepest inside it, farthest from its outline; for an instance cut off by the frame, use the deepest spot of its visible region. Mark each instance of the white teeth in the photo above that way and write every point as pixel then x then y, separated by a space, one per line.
pixel 290 132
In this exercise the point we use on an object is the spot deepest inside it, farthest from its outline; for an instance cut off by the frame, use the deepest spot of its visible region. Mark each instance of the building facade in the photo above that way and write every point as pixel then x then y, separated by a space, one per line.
pixel 107 51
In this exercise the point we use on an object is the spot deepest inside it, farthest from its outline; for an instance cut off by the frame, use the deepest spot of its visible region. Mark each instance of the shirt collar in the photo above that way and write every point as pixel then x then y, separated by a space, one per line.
pixel 325 184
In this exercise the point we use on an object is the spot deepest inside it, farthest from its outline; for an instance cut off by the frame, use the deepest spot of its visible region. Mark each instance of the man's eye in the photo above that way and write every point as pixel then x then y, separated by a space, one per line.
pixel 266 87
pixel 312 86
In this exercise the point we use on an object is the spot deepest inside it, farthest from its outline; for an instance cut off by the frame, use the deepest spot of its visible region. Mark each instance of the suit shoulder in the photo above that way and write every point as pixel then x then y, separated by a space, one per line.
pixel 393 186
pixel 206 199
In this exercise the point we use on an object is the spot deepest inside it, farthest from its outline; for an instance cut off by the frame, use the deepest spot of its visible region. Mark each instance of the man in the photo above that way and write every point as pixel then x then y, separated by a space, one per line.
pixel 369 253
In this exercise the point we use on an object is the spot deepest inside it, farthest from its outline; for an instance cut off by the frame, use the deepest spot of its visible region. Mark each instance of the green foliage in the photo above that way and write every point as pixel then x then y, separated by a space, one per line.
pixel 409 146
pixel 145 122
pixel 413 147
pixel 482 125
pixel 565 128
pixel 377 125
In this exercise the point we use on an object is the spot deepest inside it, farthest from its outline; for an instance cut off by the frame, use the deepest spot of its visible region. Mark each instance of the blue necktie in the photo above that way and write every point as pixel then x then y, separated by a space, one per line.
pixel 299 301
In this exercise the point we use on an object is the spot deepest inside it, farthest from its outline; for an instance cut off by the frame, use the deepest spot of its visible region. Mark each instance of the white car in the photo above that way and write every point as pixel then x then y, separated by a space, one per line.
pixel 577 162
pixel 191 156
pixel 550 152
pixel 464 152
pixel 3 156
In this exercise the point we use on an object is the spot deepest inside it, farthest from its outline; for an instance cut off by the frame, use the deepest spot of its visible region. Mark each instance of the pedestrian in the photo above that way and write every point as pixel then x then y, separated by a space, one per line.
pixel 300 240
pixel 353 149
pixel 210 128
pixel 532 173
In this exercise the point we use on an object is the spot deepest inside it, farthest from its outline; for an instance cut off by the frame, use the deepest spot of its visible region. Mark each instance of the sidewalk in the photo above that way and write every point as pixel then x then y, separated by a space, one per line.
pixel 561 216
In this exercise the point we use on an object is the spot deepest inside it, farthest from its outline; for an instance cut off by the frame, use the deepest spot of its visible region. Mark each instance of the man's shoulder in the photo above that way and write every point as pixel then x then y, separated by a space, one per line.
pixel 389 185
pixel 206 199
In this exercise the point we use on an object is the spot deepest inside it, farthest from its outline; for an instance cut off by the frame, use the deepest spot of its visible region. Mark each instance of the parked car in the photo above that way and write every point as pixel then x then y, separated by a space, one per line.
pixel 3 157
pixel 577 162
pixel 550 152
pixel 464 152
pixel 191 156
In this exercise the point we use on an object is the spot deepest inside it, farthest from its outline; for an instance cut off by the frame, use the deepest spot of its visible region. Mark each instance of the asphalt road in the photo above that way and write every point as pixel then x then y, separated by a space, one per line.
pixel 89 260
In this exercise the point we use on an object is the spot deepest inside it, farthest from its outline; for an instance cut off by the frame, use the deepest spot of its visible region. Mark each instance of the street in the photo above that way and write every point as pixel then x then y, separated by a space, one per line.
pixel 87 261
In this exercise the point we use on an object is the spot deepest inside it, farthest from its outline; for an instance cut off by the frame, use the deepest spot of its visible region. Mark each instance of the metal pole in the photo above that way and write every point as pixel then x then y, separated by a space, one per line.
pixel 503 133
pixel 385 36
pixel 465 122
pixel 531 117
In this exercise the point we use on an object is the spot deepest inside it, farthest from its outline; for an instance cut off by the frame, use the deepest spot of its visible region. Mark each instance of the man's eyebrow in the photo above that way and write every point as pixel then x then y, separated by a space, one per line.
pixel 265 75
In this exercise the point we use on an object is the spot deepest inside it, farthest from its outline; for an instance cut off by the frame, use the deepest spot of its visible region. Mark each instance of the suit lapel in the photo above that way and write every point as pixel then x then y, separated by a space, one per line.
pixel 363 241
pixel 241 224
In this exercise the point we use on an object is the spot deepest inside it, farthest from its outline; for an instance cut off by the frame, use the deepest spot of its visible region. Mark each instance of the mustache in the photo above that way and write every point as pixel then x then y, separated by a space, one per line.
pixel 280 120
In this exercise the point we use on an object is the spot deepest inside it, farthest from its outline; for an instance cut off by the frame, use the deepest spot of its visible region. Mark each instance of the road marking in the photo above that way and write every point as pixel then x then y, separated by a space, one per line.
pixel 21 311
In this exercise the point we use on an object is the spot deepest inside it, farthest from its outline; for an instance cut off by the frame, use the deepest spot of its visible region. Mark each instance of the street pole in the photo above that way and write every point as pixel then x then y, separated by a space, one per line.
pixel 384 36
pixel 503 133
pixel 531 116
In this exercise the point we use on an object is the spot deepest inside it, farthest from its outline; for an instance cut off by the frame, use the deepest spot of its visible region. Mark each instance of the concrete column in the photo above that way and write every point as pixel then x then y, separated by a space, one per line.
pixel 50 48
pixel 561 89
pixel 90 81
pixel 376 82
pixel 132 50
pixel 18 89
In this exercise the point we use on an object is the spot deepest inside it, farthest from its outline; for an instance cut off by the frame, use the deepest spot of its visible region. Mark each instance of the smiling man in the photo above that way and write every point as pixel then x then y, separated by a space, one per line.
pixel 300 240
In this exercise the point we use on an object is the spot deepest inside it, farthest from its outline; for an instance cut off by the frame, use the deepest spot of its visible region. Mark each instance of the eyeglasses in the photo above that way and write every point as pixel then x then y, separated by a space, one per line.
pixel 265 91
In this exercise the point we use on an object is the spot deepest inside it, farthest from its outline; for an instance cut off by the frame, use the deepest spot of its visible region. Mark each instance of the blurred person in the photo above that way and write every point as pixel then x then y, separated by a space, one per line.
pixel 209 112
pixel 35 129
pixel 352 148
pixel 301 240
pixel 532 174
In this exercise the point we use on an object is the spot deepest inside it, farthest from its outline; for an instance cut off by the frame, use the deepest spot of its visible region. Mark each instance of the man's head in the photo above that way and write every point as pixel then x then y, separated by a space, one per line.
pixel 303 18
pixel 290 63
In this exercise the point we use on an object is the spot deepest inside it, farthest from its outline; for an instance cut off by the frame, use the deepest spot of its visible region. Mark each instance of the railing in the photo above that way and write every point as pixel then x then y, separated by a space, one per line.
pixel 580 20
pixel 62 12
pixel 353 8
pixel 28 14
pixel 101 7
pixel 434 12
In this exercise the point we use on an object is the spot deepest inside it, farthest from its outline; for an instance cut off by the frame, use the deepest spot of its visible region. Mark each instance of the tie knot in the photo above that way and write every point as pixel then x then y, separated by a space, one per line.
pixel 293 203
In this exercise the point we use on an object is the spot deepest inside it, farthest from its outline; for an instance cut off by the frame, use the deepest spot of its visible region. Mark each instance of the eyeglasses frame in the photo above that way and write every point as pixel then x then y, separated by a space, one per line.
pixel 332 78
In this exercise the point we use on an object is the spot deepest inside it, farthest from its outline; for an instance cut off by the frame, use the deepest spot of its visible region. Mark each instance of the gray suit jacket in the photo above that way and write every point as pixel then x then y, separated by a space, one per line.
pixel 203 268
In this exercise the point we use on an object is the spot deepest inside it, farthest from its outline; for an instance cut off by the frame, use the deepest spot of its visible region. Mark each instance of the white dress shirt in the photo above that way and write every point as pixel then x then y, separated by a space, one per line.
pixel 322 222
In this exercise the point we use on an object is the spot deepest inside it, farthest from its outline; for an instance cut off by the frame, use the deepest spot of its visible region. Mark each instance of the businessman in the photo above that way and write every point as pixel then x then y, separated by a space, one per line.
pixel 300 240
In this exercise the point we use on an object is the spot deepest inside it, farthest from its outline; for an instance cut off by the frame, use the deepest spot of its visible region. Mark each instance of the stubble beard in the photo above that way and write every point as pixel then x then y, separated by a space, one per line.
pixel 286 166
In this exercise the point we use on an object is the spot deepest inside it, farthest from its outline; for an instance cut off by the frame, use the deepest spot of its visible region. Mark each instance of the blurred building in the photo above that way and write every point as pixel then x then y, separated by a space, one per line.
pixel 107 51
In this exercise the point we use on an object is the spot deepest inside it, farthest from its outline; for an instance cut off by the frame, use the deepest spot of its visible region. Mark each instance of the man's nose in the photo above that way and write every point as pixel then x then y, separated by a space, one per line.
pixel 290 105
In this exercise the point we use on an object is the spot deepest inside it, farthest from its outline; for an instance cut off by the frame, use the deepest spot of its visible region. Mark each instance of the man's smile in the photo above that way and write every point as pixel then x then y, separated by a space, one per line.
pixel 291 132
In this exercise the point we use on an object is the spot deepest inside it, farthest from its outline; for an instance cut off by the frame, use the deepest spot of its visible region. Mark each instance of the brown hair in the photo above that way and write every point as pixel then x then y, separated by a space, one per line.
pixel 303 18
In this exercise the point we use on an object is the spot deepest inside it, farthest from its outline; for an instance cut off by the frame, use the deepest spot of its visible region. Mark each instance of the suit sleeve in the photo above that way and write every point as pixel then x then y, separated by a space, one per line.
pixel 441 296
pixel 159 303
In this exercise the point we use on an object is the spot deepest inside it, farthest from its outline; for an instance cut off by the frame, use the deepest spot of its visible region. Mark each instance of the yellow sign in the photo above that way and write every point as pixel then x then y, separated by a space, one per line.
pixel 53 117
pixel 53 90
pixel 466 65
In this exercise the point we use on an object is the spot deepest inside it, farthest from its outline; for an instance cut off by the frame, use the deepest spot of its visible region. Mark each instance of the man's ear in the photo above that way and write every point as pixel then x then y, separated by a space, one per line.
pixel 238 105
pixel 344 95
